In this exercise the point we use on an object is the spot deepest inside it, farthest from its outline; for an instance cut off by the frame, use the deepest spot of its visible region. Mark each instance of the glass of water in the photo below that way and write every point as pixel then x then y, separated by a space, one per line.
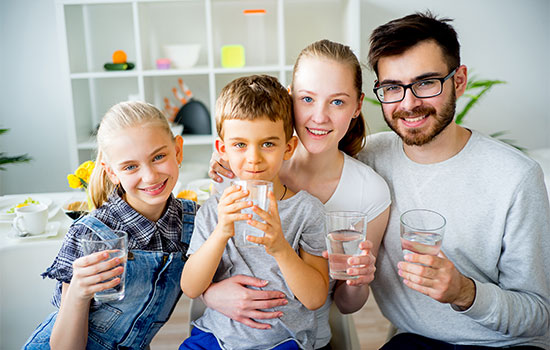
pixel 346 229
pixel 117 247
pixel 422 231
pixel 257 194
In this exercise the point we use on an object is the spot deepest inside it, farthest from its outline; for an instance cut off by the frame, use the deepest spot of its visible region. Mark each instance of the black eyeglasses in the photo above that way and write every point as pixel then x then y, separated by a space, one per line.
pixel 424 88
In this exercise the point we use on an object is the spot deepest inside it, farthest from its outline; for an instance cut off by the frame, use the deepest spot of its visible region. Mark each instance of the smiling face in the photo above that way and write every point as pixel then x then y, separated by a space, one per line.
pixel 419 120
pixel 144 160
pixel 325 101
pixel 255 149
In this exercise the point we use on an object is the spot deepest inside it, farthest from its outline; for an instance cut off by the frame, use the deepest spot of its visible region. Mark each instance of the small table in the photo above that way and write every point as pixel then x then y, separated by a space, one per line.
pixel 24 295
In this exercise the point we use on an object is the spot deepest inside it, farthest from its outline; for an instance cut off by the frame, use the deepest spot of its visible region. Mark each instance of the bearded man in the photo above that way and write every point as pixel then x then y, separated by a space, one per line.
pixel 490 284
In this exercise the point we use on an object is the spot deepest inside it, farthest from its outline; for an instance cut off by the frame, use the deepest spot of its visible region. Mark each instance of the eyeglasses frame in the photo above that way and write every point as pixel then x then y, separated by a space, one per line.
pixel 409 86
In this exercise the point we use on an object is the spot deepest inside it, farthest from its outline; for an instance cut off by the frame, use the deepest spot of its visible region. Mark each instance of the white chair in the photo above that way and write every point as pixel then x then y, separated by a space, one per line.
pixel 344 333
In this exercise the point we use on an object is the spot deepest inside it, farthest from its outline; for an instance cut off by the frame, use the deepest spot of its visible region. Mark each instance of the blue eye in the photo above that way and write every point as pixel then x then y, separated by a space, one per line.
pixel 240 145
pixel 307 99
pixel 159 157
pixel 338 102
pixel 130 168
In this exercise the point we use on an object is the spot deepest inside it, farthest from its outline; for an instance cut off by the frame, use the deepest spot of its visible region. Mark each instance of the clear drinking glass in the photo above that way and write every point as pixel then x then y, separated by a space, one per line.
pixel 422 231
pixel 346 229
pixel 257 193
pixel 117 248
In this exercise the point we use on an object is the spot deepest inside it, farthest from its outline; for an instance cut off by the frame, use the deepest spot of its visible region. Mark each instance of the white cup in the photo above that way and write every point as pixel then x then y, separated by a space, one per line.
pixel 31 219
pixel 257 193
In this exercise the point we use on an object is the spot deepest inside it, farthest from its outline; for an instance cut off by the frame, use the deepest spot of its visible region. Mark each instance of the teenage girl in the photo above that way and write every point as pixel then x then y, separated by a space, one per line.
pixel 326 92
pixel 131 187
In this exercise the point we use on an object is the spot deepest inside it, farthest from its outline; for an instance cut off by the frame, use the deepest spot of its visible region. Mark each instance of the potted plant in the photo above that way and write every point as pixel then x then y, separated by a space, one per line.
pixel 5 159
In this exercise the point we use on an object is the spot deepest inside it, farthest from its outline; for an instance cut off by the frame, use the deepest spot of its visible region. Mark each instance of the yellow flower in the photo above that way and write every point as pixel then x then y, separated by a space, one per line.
pixel 81 176
pixel 74 181
pixel 88 165
pixel 82 173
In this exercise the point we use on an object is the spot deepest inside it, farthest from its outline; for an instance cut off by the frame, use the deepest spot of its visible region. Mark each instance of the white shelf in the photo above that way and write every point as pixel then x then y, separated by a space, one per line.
pixel 188 140
pixel 91 30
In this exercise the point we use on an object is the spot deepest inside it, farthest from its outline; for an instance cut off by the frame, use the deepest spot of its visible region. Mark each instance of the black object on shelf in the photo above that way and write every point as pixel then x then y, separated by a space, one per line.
pixel 194 117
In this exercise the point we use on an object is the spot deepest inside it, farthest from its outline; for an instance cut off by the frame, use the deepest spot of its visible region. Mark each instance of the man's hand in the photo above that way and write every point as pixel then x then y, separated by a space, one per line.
pixel 438 278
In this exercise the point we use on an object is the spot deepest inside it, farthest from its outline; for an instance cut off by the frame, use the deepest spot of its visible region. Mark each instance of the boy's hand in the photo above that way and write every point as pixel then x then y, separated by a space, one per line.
pixel 229 210
pixel 90 271
pixel 273 239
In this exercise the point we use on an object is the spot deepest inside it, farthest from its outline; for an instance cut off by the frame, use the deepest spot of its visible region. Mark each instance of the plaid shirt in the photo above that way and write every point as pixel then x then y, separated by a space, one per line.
pixel 143 234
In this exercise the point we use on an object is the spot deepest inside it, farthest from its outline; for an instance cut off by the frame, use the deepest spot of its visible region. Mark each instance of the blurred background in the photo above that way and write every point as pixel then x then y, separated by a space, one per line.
pixel 54 88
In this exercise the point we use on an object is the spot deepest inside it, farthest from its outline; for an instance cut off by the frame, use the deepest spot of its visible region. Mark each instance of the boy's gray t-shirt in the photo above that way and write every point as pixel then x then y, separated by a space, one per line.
pixel 303 222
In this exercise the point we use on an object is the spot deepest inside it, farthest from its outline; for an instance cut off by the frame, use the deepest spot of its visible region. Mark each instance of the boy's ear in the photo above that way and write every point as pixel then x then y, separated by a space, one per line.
pixel 110 173
pixel 290 147
pixel 179 148
pixel 220 148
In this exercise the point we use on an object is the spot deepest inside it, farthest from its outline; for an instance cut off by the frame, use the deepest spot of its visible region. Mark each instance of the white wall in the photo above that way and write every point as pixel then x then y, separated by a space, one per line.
pixel 501 39
pixel 31 98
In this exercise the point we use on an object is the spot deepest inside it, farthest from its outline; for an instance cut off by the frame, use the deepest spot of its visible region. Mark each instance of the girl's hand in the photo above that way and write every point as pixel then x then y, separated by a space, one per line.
pixel 90 271
pixel 219 166
pixel 229 210
pixel 232 298
pixel 273 239
pixel 361 265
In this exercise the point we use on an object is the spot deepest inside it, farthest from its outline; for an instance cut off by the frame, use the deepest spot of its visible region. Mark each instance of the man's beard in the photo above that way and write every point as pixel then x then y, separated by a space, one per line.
pixel 418 136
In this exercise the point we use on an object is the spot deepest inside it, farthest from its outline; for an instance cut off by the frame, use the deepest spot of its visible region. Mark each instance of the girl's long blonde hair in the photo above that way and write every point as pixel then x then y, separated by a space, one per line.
pixel 121 116
pixel 355 138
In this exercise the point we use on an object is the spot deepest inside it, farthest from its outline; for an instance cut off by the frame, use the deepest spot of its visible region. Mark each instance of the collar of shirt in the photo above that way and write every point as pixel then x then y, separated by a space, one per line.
pixel 163 235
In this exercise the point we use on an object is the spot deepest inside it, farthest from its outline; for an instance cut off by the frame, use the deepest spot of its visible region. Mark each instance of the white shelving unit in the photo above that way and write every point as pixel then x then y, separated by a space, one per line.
pixel 90 31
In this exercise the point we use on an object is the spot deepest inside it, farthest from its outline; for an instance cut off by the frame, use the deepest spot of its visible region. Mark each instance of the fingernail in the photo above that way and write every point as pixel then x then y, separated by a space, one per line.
pixel 408 257
pixel 400 273
pixel 284 303
pixel 282 296
pixel 265 282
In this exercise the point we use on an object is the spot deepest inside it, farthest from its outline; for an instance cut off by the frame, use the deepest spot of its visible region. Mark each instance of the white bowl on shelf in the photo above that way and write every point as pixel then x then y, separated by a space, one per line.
pixel 182 56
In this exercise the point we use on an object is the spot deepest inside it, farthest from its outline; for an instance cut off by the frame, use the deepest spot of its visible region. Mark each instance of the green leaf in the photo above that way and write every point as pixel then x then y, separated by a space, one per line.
pixel 373 101
pixel 11 160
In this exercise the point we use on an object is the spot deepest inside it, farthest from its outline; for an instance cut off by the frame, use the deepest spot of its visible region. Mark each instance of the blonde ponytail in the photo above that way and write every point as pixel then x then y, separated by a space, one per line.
pixel 100 185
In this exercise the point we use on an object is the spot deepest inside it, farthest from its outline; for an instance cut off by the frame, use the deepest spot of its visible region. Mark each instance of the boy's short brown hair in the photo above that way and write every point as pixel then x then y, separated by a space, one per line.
pixel 255 97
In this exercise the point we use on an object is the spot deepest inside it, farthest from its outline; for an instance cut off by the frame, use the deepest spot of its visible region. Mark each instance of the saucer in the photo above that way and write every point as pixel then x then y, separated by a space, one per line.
pixel 51 230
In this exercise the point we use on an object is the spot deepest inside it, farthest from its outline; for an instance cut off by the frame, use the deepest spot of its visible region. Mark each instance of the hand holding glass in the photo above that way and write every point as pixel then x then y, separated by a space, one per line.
pixel 117 248
pixel 422 231
pixel 346 229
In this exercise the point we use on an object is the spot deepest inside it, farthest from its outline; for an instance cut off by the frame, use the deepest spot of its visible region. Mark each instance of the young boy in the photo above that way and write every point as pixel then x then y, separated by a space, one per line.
pixel 255 124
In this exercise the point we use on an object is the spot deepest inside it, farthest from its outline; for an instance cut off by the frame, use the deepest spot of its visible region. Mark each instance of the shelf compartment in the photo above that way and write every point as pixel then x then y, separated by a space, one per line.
pixel 326 19
pixel 232 27
pixel 92 98
pixel 95 31
pixel 169 22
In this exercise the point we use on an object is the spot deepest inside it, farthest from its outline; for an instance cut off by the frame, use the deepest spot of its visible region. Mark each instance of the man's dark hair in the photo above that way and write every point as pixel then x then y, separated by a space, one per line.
pixel 399 35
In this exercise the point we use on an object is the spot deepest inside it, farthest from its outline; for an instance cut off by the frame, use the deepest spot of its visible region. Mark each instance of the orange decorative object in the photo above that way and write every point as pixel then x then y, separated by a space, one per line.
pixel 119 56
pixel 254 11
pixel 188 194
